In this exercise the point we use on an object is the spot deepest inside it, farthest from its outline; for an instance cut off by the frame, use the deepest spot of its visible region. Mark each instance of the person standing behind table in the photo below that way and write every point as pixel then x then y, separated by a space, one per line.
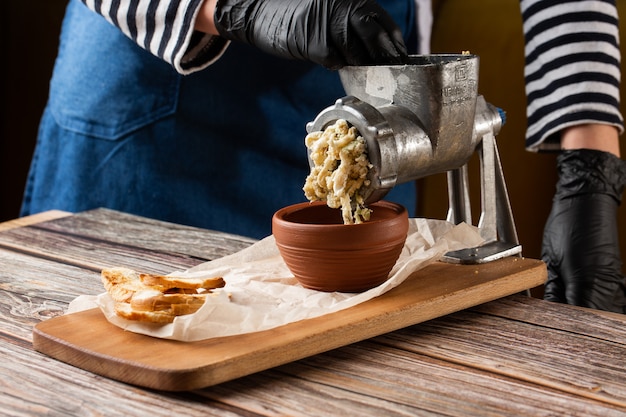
pixel 151 112
pixel 572 74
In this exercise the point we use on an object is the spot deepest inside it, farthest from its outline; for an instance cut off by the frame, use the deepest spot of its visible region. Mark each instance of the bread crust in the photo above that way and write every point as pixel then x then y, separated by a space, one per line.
pixel 184 283
pixel 125 311
pixel 151 300
pixel 121 283
pixel 156 298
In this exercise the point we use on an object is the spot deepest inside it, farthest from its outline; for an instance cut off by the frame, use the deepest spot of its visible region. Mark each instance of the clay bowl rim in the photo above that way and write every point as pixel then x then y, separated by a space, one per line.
pixel 281 214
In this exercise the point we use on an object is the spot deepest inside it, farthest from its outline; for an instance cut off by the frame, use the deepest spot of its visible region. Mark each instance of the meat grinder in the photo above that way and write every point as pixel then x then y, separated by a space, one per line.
pixel 423 118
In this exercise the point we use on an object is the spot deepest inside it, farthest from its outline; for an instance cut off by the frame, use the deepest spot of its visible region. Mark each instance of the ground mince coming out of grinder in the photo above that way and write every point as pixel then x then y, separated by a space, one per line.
pixel 340 167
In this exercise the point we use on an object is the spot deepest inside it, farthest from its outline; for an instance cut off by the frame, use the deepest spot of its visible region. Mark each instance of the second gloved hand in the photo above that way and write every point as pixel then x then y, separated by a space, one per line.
pixel 332 33
pixel 581 243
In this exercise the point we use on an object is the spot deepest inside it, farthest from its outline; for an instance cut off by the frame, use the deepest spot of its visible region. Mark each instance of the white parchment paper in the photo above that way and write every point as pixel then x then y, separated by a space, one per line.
pixel 261 293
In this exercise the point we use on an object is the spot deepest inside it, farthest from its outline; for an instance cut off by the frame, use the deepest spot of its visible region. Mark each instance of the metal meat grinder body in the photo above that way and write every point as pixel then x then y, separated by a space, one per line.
pixel 424 118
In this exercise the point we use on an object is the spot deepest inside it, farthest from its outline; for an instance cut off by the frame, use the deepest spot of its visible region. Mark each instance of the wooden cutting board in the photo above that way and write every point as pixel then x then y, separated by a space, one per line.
pixel 87 340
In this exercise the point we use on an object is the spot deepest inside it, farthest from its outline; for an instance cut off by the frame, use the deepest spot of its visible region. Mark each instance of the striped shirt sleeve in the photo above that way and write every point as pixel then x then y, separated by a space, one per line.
pixel 164 28
pixel 572 67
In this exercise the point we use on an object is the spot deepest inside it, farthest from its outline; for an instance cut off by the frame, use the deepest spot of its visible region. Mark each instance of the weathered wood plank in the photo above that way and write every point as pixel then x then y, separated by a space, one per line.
pixel 426 383
pixel 35 385
pixel 33 219
pixel 89 253
pixel 153 235
pixel 104 238
pixel 553 358
pixel 34 289
pixel 584 321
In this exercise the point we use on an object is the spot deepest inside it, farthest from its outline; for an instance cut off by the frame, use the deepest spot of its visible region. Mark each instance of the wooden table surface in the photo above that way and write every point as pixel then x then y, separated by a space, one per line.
pixel 513 356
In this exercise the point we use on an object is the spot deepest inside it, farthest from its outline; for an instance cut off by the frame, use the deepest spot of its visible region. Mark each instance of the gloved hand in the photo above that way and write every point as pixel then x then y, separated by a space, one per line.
pixel 332 33
pixel 580 241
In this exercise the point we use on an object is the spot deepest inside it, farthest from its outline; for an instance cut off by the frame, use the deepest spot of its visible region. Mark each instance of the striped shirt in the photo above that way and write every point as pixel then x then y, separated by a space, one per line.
pixel 572 67
pixel 165 28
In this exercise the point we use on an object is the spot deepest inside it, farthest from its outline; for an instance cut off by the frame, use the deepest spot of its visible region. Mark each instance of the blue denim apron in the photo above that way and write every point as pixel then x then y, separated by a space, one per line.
pixel 221 149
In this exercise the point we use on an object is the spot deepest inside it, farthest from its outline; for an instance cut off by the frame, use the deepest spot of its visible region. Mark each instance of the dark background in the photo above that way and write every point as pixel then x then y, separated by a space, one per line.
pixel 30 35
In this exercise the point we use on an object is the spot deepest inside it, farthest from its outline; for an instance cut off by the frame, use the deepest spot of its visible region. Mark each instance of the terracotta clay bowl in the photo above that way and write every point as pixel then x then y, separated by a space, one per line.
pixel 326 255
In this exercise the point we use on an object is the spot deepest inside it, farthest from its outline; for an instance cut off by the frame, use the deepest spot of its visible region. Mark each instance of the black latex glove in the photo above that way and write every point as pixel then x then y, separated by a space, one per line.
pixel 580 242
pixel 332 33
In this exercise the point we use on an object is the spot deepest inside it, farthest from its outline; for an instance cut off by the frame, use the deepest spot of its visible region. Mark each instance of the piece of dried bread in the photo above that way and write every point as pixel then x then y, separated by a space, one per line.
pixel 156 298
pixel 125 311
pixel 183 283
pixel 153 300
pixel 121 283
